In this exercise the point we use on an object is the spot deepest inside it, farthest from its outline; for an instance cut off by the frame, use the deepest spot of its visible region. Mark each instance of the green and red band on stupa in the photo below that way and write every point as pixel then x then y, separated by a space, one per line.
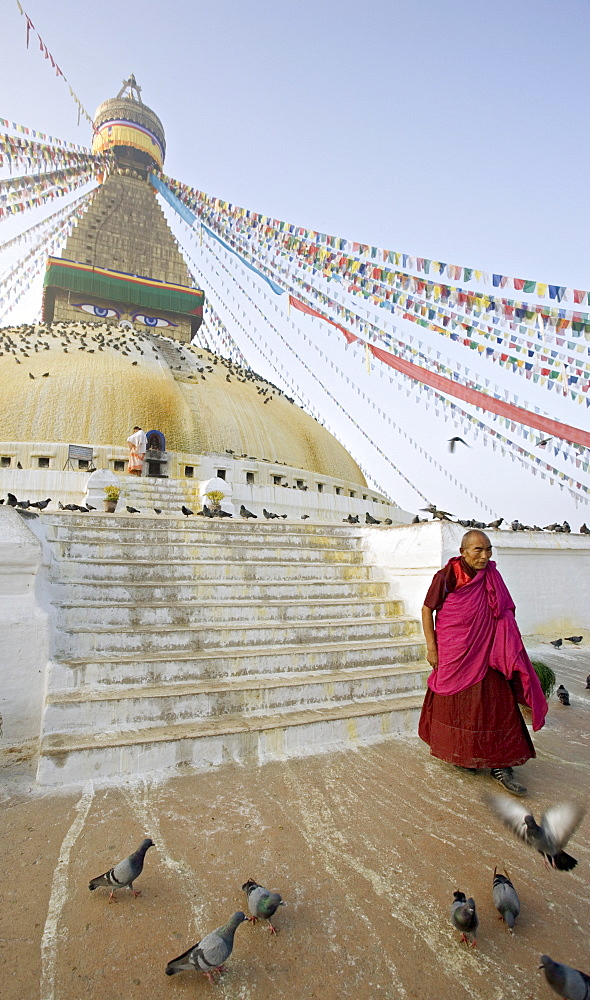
pixel 117 286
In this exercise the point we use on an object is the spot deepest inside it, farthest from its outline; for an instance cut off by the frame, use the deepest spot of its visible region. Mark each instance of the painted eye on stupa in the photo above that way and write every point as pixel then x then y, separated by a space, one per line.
pixel 151 320
pixel 101 312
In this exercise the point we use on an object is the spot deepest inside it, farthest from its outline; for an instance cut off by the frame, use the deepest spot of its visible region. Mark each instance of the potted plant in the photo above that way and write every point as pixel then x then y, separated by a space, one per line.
pixel 215 497
pixel 112 494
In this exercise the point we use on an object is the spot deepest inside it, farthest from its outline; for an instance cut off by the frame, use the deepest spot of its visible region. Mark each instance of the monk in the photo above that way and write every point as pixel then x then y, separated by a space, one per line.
pixel 481 671
pixel 137 447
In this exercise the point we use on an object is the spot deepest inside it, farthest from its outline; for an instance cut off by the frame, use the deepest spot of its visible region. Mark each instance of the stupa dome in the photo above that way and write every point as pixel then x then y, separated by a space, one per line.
pixel 103 380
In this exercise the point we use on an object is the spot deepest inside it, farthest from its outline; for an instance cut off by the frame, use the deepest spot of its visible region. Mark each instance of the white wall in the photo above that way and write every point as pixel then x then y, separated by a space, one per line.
pixel 24 646
pixel 547 574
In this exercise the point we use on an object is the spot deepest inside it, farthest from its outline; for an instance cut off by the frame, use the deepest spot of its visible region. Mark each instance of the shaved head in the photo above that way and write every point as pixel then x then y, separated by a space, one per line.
pixel 471 536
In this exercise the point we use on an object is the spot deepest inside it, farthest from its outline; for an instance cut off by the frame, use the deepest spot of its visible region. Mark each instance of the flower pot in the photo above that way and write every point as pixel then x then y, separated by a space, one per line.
pixel 110 506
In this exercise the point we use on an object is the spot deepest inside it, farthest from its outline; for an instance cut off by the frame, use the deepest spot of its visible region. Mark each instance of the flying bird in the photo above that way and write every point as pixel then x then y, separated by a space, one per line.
pixel 543 442
pixel 125 873
pixel 454 441
pixel 549 836
pixel 464 917
pixel 505 898
pixel 210 952
pixel 262 903
pixel 571 984
pixel 563 695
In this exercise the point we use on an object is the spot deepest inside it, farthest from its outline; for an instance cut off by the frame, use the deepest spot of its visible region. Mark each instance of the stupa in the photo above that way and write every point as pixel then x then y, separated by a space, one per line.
pixel 120 317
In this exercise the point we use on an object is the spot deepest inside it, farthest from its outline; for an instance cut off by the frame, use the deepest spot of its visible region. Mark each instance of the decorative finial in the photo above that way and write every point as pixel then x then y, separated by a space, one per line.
pixel 134 91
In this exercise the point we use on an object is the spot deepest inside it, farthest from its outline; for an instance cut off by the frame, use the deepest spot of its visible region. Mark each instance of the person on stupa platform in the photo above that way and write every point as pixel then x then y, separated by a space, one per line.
pixel 137 448
pixel 481 670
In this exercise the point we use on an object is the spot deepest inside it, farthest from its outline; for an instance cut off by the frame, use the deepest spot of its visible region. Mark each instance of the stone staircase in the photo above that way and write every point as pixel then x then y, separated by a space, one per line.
pixel 168 495
pixel 182 644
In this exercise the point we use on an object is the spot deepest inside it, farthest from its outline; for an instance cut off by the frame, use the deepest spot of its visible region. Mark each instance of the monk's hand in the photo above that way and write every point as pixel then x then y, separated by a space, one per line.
pixel 432 656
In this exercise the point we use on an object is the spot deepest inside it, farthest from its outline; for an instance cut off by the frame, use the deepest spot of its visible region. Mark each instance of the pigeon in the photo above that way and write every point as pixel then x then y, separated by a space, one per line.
pixel 584 529
pixel 416 520
pixel 245 513
pixel 442 515
pixel 31 376
pixel 574 638
pixel 350 519
pixel 125 872
pixel 563 695
pixel 262 903
pixel 89 507
pixel 304 517
pixel 571 984
pixel 45 375
pixel 505 898
pixel 464 917
pixel 588 683
pixel 187 511
pixel 269 515
pixel 557 643
pixel 369 519
pixel 132 510
pixel 454 441
pixel 157 510
pixel 41 504
pixel 565 527
pixel 543 442
pixel 23 504
pixel 495 524
pixel 549 836
pixel 388 521
pixel 210 952
pixel 12 501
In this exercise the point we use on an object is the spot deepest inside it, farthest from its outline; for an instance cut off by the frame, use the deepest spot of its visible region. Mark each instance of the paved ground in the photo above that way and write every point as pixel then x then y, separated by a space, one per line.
pixel 366 846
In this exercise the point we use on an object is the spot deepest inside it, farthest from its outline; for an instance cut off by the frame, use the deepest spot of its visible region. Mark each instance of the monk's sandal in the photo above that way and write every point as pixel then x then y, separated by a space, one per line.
pixel 505 775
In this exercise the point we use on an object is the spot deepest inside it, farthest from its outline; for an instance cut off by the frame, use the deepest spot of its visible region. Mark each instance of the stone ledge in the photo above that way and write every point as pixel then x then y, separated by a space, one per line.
pixel 56 745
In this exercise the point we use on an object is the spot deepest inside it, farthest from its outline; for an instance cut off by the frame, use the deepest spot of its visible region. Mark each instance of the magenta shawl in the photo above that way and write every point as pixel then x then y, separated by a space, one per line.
pixel 476 629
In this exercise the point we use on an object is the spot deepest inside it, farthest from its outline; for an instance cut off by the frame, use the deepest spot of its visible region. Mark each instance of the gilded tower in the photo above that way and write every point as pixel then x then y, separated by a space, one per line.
pixel 121 263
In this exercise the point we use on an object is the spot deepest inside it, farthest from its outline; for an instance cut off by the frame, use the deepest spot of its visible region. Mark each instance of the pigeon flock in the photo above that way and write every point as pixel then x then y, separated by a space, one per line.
pixel 549 837
pixel 516 525
pixel 210 953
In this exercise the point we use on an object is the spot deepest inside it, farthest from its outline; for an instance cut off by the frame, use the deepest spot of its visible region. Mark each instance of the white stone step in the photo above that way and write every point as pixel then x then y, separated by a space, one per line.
pixel 170 531
pixel 118 614
pixel 165 551
pixel 141 707
pixel 226 526
pixel 87 642
pixel 196 746
pixel 141 592
pixel 196 569
pixel 163 667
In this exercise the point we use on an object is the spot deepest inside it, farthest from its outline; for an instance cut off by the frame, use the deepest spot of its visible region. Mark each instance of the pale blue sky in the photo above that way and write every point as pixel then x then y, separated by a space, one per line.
pixel 452 130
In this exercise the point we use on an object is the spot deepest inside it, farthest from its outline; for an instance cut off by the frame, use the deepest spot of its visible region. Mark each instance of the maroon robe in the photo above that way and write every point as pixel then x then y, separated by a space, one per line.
pixel 477 722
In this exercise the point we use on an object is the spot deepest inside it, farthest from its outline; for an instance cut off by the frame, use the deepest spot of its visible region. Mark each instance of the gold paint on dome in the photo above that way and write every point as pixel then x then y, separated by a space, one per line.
pixel 95 398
